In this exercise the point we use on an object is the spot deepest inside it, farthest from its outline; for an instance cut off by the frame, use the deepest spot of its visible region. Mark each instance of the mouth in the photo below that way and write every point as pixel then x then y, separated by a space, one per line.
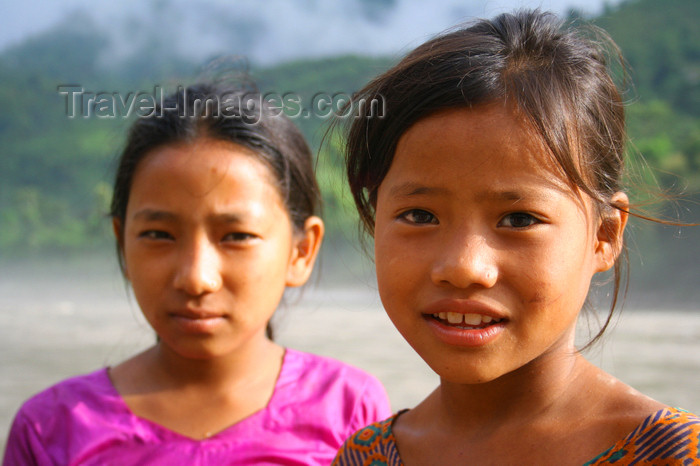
pixel 469 321
pixel 197 314
pixel 198 321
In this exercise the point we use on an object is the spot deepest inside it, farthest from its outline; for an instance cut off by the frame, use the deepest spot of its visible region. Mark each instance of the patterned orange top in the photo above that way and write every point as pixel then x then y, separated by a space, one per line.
pixel 669 436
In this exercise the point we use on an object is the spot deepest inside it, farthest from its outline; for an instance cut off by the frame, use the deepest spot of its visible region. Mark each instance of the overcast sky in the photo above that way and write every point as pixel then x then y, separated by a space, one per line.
pixel 270 30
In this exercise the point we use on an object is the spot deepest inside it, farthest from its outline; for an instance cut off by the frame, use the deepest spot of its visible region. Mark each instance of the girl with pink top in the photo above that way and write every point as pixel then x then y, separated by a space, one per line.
pixel 213 213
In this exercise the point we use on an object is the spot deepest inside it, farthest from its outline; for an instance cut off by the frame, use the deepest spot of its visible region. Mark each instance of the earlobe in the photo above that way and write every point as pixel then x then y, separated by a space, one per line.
pixel 305 249
pixel 610 235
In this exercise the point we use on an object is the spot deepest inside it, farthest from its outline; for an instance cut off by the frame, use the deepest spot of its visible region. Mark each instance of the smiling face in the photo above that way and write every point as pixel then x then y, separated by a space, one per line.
pixel 484 256
pixel 208 246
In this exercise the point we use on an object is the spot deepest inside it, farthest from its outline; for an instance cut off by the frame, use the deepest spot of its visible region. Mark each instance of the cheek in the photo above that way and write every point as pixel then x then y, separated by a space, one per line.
pixel 260 274
pixel 399 281
pixel 139 270
pixel 394 264
pixel 558 285
pixel 540 280
pixel 147 277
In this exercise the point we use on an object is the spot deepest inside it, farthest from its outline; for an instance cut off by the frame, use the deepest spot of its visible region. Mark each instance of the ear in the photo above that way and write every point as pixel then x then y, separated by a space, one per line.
pixel 610 235
pixel 304 251
pixel 117 229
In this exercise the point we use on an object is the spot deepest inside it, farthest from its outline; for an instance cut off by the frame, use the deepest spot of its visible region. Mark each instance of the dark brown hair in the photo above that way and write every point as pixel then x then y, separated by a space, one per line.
pixel 558 78
pixel 224 112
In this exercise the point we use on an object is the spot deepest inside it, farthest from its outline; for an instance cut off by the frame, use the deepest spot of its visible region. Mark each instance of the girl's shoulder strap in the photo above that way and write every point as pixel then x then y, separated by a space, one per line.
pixel 372 445
pixel 670 434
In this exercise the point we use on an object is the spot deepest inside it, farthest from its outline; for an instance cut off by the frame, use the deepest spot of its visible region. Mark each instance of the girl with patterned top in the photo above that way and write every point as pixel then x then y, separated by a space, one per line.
pixel 492 189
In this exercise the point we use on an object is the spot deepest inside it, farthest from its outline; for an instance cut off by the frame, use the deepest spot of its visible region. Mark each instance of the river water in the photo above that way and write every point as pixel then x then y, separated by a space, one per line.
pixel 56 323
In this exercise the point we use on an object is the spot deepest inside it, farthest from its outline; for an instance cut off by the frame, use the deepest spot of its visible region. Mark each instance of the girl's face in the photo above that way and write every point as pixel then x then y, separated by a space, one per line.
pixel 484 255
pixel 208 246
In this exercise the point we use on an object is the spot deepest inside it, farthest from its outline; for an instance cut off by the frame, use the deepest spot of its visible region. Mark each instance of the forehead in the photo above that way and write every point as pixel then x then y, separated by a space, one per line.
pixel 489 127
pixel 492 144
pixel 201 168
pixel 492 133
pixel 210 158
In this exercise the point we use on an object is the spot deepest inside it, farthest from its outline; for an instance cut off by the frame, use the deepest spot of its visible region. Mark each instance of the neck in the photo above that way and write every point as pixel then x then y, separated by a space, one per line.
pixel 245 366
pixel 542 389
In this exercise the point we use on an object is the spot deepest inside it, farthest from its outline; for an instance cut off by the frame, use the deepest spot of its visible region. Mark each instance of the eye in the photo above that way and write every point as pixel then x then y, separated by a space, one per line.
pixel 156 235
pixel 238 237
pixel 419 217
pixel 518 220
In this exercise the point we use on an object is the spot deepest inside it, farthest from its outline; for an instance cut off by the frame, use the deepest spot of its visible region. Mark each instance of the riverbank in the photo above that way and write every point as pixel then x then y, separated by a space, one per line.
pixel 72 323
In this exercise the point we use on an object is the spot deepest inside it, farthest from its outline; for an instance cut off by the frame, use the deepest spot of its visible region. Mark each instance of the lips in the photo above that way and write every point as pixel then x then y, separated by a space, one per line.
pixel 465 322
pixel 197 321
pixel 465 312
pixel 197 314
pixel 470 320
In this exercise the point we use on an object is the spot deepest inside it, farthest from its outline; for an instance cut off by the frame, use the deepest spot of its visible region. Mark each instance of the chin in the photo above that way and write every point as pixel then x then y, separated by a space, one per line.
pixel 198 351
pixel 465 373
pixel 461 378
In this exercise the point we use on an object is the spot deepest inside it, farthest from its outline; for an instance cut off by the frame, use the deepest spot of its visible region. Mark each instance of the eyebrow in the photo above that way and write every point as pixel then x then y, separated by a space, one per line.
pixel 502 196
pixel 415 189
pixel 154 215
pixel 411 189
pixel 227 218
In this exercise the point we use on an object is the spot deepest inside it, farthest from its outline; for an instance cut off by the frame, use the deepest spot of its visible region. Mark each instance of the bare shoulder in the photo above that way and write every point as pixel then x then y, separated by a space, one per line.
pixel 619 408
pixel 645 431
pixel 603 412
pixel 410 429
pixel 623 401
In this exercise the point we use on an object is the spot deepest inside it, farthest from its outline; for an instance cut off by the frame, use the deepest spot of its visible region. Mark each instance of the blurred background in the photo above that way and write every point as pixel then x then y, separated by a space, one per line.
pixel 64 309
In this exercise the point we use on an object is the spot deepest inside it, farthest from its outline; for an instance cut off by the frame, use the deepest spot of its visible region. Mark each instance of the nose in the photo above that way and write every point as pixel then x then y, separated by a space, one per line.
pixel 198 270
pixel 466 260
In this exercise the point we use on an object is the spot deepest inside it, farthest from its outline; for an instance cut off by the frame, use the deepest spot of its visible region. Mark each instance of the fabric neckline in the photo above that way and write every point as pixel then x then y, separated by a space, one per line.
pixel 658 414
pixel 289 357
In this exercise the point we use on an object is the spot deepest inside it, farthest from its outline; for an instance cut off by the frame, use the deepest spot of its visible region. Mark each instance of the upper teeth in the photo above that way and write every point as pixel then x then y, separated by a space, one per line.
pixel 468 319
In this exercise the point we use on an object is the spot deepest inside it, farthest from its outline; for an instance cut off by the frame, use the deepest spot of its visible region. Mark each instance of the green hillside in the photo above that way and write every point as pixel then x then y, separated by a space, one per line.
pixel 661 42
pixel 55 171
